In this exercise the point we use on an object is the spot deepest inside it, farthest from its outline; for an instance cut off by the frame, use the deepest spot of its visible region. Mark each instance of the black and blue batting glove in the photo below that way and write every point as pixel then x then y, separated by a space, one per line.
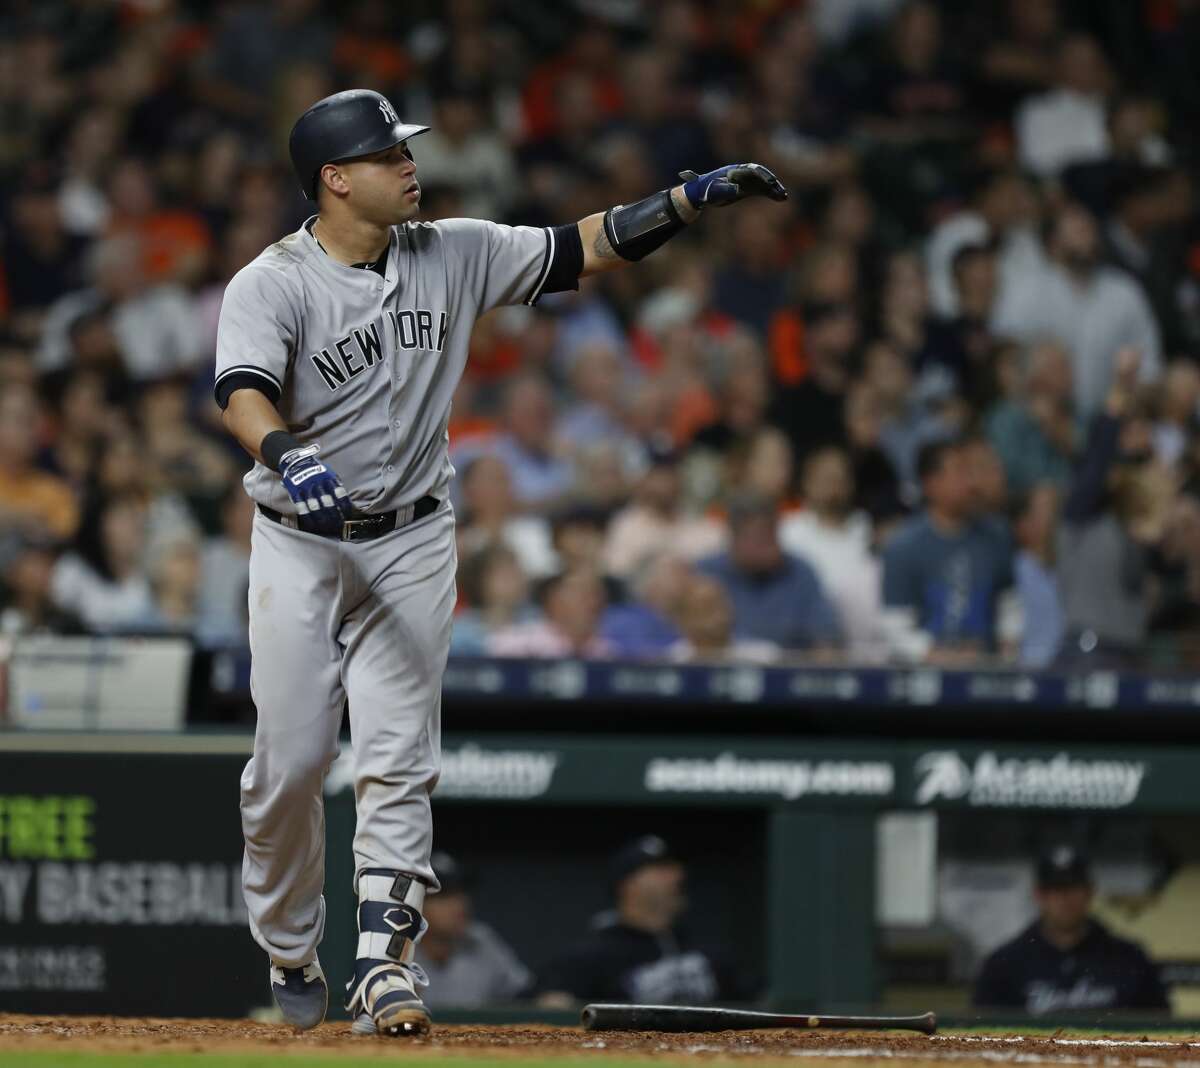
pixel 733 182
pixel 321 500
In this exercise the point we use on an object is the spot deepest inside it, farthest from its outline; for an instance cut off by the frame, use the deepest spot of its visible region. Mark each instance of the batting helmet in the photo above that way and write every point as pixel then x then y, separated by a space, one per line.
pixel 354 123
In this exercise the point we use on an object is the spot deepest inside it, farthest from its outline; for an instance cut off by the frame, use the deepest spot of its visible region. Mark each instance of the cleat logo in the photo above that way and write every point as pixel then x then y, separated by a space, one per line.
pixel 395 925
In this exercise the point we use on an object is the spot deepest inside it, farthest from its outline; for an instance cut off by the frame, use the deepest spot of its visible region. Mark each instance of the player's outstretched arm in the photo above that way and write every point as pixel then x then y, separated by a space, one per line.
pixel 629 232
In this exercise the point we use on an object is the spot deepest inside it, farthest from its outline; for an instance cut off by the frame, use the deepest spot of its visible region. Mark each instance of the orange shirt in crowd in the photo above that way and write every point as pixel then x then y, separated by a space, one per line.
pixel 41 497
pixel 169 240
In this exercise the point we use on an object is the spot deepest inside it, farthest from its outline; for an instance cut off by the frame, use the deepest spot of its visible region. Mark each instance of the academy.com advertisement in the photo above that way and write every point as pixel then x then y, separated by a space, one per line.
pixel 117 875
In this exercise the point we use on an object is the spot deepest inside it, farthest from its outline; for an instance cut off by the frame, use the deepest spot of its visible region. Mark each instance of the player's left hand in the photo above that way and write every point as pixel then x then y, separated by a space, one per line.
pixel 733 182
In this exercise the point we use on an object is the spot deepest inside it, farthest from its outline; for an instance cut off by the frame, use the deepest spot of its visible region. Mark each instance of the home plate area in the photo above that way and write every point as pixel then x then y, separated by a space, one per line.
pixel 133 1039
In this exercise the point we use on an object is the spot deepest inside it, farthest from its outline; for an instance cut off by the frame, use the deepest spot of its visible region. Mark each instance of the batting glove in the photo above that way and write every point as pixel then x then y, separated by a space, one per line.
pixel 321 500
pixel 734 182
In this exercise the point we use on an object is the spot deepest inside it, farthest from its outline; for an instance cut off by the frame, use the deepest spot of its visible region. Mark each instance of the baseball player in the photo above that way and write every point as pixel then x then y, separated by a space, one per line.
pixel 338 352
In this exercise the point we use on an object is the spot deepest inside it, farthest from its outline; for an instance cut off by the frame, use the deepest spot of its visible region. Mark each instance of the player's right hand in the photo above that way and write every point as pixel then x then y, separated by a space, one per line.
pixel 321 500
pixel 731 183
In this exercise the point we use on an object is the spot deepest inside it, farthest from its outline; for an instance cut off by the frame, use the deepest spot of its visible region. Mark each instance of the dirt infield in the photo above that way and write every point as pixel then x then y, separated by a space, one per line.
pixel 131 1036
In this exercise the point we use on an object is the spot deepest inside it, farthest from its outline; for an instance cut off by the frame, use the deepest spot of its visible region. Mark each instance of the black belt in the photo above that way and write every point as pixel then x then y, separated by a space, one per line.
pixel 365 527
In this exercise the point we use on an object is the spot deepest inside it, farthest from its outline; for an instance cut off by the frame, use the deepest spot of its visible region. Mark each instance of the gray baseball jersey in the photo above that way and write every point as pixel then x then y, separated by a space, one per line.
pixel 365 365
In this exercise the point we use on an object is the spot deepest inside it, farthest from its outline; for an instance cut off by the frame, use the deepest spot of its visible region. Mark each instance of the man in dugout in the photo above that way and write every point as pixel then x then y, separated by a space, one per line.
pixel 638 951
pixel 1067 961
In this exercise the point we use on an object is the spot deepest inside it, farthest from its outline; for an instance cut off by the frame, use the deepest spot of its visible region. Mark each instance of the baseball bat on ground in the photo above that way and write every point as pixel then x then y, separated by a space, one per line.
pixel 685 1018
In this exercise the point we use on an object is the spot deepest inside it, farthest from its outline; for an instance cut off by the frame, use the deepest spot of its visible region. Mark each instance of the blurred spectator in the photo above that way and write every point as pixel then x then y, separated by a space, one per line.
pixel 838 21
pixel 175 574
pixel 39 260
pixel 496 593
pixel 92 142
pixel 706 620
pixel 742 405
pixel 462 152
pixel 1067 961
pixel 1067 124
pixel 577 535
pixel 1115 513
pixel 1002 215
pixel 489 516
pixel 582 74
pixel 966 350
pixel 1021 59
pixel 572 605
pixel 671 136
pixel 647 624
pixel 468 964
pixel 26 604
pixel 763 466
pixel 1094 310
pixel 776 597
pixel 221 612
pixel 597 384
pixel 1176 615
pixel 750 287
pixel 1034 434
pixel 1178 408
pixel 836 541
pixel 1034 522
pixel 1132 180
pixel 810 413
pixel 932 348
pixel 655 518
pixel 174 244
pixel 877 488
pixel 913 93
pixel 985 472
pixel 32 502
pixel 177 454
pixel 82 414
pixel 102 579
pixel 254 41
pixel 1145 234
pixel 120 469
pixel 604 474
pixel 944 570
pixel 540 477
pixel 910 416
pixel 155 325
pixel 638 951
pixel 367 45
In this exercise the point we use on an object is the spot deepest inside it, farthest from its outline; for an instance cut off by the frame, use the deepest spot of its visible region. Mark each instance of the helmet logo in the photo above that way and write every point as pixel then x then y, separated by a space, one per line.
pixel 389 112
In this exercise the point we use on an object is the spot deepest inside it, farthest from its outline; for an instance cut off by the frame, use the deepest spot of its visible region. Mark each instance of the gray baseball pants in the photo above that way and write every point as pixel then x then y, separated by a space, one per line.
pixel 330 620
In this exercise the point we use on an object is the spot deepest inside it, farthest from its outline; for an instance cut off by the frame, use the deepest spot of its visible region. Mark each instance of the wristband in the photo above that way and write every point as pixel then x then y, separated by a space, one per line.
pixel 274 445
pixel 636 230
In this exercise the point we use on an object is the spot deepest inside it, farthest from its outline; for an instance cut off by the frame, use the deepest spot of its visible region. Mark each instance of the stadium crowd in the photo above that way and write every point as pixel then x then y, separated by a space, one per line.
pixel 939 407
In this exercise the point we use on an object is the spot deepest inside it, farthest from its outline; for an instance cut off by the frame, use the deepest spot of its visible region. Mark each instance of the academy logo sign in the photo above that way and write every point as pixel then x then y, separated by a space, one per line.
pixel 1060 781
pixel 472 771
pixel 515 774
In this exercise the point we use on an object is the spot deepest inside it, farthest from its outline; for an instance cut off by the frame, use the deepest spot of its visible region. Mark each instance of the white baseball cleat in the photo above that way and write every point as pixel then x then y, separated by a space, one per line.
pixel 388 1003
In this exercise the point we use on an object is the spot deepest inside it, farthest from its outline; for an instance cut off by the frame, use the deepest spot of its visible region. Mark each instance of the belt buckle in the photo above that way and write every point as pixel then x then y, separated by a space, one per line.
pixel 351 527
